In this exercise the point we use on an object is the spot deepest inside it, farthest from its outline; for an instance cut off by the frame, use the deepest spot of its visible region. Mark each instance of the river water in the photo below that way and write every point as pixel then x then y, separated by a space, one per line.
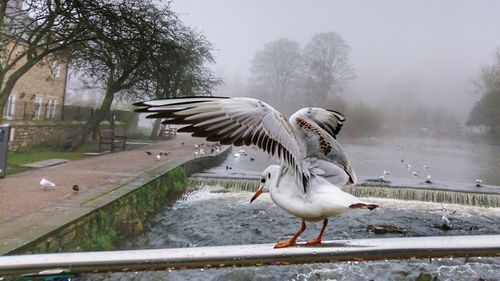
pixel 445 160
pixel 210 217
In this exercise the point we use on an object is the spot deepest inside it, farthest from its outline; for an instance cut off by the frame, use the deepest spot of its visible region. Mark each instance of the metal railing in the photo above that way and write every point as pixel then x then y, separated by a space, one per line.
pixel 251 255
pixel 32 111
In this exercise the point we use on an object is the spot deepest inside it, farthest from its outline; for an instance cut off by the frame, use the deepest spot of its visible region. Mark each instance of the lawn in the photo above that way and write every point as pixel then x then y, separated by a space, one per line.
pixel 16 159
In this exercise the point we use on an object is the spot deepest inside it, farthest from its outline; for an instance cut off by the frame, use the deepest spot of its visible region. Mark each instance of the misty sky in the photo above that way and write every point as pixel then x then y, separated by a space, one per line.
pixel 428 51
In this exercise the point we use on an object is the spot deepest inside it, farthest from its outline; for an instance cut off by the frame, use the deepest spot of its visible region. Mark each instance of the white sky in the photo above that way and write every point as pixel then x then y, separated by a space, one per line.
pixel 428 49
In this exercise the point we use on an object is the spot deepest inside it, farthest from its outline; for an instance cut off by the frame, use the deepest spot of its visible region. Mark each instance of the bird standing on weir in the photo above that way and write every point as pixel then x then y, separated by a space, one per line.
pixel 312 161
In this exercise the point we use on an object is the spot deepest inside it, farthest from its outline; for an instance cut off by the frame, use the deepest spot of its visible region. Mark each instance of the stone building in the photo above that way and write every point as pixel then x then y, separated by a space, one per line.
pixel 37 99
pixel 38 94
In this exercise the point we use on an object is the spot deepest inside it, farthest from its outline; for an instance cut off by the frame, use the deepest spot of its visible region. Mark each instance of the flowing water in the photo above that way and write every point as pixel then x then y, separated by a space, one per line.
pixel 213 216
pixel 210 216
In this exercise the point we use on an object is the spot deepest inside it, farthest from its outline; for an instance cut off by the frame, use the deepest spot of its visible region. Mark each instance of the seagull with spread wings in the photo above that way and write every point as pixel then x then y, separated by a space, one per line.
pixel 305 143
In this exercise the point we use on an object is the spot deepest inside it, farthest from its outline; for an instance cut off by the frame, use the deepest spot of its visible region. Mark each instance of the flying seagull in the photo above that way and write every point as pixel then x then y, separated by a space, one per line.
pixel 305 143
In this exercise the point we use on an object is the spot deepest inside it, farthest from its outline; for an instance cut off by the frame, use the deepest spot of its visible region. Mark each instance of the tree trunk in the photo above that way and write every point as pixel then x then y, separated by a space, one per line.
pixel 156 128
pixel 78 138
pixel 8 84
pixel 3 101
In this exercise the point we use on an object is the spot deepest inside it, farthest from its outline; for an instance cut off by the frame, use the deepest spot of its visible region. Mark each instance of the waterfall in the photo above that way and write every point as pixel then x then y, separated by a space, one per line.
pixel 427 195
pixel 400 193
pixel 231 184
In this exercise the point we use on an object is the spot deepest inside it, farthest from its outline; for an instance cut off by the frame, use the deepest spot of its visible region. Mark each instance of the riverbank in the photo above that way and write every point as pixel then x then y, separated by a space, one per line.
pixel 29 212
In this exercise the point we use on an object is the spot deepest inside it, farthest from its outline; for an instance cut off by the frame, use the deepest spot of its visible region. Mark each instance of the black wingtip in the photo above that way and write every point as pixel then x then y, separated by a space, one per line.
pixel 305 182
pixel 342 117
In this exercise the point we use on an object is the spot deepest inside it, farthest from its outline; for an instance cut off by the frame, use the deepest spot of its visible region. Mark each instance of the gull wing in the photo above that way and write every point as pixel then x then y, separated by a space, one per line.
pixel 236 121
pixel 319 128
pixel 329 120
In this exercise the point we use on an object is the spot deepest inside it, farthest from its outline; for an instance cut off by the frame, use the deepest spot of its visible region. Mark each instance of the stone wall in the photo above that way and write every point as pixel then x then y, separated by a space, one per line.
pixel 32 133
pixel 123 219
pixel 28 134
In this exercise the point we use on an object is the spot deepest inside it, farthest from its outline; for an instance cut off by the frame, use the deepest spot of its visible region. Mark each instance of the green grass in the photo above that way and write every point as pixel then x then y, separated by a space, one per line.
pixel 16 159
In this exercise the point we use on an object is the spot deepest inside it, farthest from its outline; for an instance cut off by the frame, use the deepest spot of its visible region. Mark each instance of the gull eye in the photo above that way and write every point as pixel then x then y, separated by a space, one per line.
pixel 269 175
pixel 262 180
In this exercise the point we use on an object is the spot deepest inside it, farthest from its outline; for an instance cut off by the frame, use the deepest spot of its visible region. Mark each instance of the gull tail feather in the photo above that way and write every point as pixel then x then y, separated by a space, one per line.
pixel 363 206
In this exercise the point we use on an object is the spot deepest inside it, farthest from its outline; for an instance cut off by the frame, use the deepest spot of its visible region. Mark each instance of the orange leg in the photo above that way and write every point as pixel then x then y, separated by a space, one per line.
pixel 320 236
pixel 293 240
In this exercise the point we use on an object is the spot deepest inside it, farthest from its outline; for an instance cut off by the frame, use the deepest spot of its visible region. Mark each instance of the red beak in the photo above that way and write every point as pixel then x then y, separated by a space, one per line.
pixel 257 194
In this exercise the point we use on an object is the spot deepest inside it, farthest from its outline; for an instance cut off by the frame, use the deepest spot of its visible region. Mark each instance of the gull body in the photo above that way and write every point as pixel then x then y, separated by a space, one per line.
pixel 321 201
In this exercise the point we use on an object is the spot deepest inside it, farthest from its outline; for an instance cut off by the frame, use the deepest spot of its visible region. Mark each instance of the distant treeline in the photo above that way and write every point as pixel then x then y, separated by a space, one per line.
pixel 485 115
pixel 366 121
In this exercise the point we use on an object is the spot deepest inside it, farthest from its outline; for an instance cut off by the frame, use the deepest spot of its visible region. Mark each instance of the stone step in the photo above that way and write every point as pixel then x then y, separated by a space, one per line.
pixel 45 163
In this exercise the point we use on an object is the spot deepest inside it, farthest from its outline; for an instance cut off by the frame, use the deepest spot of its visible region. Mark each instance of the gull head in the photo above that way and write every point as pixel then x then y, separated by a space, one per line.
pixel 269 175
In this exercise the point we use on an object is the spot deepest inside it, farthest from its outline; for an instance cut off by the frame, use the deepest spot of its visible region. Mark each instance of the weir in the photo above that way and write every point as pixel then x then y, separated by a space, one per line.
pixel 434 194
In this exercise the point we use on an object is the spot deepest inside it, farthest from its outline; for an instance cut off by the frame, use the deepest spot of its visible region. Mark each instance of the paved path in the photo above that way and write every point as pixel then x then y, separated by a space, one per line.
pixel 21 194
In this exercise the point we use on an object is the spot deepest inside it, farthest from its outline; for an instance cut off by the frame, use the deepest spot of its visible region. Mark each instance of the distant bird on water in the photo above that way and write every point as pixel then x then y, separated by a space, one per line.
pixel 428 179
pixel 478 182
pixel 148 152
pixel 445 223
pixel 75 187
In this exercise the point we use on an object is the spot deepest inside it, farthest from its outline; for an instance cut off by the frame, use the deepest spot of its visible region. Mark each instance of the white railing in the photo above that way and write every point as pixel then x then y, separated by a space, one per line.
pixel 251 255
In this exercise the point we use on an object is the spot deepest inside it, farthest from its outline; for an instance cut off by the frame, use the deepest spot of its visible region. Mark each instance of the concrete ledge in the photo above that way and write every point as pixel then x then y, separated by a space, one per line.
pixel 253 255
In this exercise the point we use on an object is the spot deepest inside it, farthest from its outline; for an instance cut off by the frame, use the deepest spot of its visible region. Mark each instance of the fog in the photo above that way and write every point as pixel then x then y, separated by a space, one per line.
pixel 425 52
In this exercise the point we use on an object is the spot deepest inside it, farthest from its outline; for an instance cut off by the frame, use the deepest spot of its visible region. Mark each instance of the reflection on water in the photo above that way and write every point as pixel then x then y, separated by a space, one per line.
pixel 205 218
pixel 444 160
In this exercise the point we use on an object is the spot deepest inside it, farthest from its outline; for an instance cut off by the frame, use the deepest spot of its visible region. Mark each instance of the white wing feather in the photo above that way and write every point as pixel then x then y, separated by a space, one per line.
pixel 236 121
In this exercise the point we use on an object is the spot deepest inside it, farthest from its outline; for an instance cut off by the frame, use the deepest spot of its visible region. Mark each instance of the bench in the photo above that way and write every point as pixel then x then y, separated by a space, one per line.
pixel 166 131
pixel 107 136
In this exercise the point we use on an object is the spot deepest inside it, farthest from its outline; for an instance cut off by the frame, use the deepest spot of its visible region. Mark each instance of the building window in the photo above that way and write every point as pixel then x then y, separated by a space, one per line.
pixel 37 106
pixel 10 108
pixel 55 69
pixel 50 110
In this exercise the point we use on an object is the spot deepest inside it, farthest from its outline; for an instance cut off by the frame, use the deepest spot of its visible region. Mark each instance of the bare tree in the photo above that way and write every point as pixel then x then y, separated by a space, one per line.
pixel 327 65
pixel 276 69
pixel 182 71
pixel 128 36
